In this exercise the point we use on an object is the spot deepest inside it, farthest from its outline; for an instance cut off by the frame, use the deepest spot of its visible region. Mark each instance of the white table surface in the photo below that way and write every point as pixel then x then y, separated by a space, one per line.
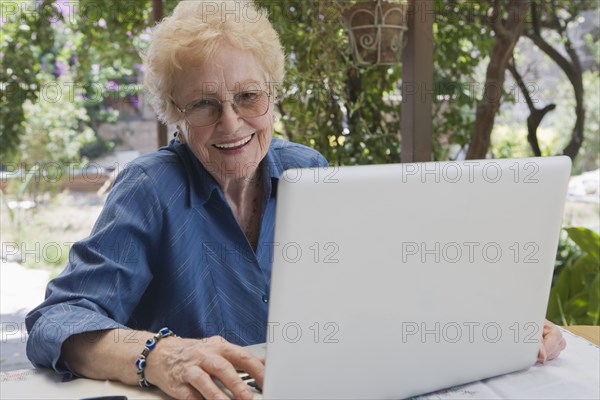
pixel 574 375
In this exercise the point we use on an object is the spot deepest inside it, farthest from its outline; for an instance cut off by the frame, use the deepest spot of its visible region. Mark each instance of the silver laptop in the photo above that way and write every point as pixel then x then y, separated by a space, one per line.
pixel 391 281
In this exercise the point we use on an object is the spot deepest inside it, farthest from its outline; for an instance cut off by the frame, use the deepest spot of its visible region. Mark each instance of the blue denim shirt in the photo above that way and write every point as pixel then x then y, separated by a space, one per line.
pixel 167 251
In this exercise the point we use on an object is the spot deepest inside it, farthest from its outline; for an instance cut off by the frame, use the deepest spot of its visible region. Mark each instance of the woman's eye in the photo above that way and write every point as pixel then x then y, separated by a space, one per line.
pixel 204 104
pixel 247 96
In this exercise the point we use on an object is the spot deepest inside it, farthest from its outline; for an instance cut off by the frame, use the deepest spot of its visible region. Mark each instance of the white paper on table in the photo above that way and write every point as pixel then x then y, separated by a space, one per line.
pixel 575 374
pixel 46 384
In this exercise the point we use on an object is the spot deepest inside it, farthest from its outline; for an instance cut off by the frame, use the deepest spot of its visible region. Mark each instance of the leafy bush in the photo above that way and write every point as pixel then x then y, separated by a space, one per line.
pixel 575 295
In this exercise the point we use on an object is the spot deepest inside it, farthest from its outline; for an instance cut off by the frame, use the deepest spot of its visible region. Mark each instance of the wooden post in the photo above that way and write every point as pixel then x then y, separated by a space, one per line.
pixel 161 129
pixel 417 83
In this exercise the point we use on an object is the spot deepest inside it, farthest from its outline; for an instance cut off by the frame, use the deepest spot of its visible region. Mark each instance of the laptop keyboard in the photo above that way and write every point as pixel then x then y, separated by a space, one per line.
pixel 249 380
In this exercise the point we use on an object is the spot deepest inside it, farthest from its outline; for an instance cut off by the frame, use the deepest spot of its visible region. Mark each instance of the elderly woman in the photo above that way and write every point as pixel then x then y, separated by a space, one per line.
pixel 184 240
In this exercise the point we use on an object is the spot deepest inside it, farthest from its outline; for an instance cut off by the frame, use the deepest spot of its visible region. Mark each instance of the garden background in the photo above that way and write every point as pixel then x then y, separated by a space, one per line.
pixel 74 112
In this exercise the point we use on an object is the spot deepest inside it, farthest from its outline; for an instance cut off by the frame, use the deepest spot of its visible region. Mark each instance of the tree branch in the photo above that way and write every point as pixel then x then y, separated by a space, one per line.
pixel 496 20
pixel 560 28
pixel 558 58
pixel 571 68
pixel 568 44
pixel 535 114
pixel 519 79
pixel 535 20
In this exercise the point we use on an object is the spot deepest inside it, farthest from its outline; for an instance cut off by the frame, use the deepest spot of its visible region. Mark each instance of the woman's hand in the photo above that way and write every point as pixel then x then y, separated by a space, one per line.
pixel 185 368
pixel 552 342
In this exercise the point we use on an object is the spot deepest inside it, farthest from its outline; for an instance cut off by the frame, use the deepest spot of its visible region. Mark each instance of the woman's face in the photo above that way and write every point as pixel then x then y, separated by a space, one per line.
pixel 234 145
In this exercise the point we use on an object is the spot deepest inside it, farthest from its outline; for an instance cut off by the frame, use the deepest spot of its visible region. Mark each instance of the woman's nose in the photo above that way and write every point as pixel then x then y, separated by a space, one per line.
pixel 230 120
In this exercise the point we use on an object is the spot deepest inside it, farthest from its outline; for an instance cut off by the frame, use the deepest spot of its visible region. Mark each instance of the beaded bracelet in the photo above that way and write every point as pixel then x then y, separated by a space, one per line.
pixel 140 363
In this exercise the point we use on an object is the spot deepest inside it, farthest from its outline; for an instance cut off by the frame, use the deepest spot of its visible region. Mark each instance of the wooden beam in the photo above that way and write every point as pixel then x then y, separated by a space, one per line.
pixel 417 83
pixel 161 129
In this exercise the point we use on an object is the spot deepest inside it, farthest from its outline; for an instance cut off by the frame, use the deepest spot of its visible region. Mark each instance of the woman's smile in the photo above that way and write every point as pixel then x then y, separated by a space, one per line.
pixel 234 144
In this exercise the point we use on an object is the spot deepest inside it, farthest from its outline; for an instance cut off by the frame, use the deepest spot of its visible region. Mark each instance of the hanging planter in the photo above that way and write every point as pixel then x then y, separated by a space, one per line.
pixel 376 31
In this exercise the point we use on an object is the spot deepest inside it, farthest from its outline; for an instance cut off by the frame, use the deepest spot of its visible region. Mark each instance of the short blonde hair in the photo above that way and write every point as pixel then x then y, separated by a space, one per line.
pixel 192 35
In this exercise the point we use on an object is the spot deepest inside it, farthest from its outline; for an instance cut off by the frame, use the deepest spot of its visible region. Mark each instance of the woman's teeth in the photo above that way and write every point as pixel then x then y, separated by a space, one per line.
pixel 233 145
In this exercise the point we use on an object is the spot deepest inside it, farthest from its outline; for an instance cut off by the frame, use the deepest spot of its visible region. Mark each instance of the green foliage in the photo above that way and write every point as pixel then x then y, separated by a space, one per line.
pixel 506 142
pixel 575 295
pixel 589 155
pixel 566 253
pixel 54 124
pixel 94 45
pixel 326 101
pixel 54 127
pixel 352 114
pixel 24 42
pixel 462 40
pixel 552 19
pixel 106 58
pixel 108 35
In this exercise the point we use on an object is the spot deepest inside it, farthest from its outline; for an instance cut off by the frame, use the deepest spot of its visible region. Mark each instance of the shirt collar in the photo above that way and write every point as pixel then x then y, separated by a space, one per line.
pixel 203 185
pixel 271 164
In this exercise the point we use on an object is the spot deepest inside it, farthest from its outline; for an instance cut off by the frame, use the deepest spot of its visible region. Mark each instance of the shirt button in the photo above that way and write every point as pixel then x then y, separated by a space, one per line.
pixel 265 298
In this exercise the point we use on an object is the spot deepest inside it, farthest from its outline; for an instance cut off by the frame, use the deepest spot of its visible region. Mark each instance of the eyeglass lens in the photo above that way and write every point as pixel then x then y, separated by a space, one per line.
pixel 246 104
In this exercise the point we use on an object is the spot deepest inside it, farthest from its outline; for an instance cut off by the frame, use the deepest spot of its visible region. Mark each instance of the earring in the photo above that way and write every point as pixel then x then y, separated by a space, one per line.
pixel 181 137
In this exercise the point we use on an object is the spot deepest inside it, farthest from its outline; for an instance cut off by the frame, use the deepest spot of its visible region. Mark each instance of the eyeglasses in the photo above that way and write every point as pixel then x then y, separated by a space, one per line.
pixel 206 112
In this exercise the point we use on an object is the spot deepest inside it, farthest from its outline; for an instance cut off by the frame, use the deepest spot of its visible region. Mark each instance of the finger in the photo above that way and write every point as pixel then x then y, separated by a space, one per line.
pixel 243 359
pixel 203 383
pixel 555 350
pixel 554 341
pixel 547 330
pixel 182 391
pixel 224 370
pixel 541 354
pixel 548 324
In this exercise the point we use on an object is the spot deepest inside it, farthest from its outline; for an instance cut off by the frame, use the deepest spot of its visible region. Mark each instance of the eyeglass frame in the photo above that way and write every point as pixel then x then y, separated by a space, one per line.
pixel 185 109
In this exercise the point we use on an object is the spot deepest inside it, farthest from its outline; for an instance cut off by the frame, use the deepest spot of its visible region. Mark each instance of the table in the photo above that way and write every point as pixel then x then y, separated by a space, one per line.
pixel 591 333
pixel 574 375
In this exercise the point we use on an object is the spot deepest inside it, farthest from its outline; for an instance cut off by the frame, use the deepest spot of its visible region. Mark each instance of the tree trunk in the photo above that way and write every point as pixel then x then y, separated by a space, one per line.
pixel 507 34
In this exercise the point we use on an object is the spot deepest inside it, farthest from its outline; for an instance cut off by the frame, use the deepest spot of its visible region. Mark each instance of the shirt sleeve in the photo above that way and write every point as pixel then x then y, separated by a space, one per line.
pixel 294 155
pixel 107 273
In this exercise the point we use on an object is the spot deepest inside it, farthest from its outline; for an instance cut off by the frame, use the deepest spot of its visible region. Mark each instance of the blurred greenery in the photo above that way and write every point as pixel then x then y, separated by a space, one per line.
pixel 326 101
pixel 350 114
pixel 24 42
pixel 58 54
pixel 575 295
pixel 589 155
pixel 461 45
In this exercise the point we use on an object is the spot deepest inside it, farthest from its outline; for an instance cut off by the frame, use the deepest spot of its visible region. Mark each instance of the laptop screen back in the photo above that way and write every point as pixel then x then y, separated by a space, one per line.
pixel 395 280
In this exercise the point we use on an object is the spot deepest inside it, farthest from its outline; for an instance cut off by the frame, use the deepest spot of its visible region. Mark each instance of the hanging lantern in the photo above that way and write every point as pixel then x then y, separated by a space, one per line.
pixel 376 31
